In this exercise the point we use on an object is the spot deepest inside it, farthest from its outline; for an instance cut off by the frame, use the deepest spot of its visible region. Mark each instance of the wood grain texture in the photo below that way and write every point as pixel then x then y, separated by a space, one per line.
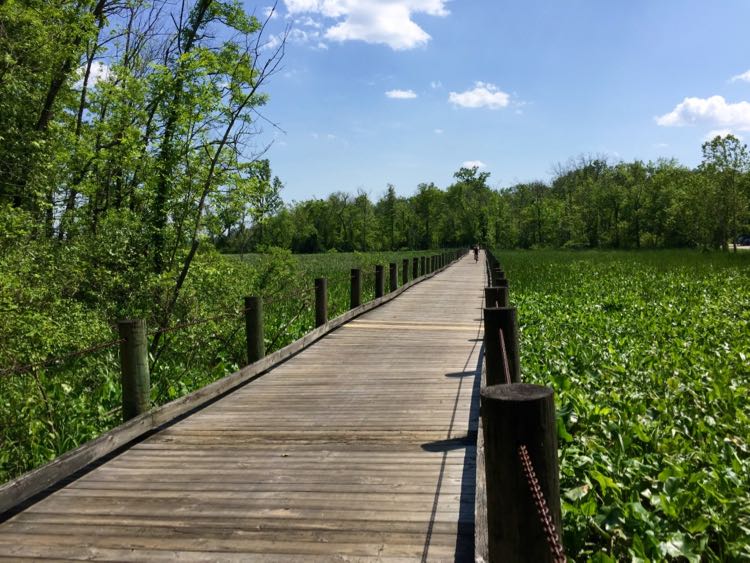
pixel 38 480
pixel 361 447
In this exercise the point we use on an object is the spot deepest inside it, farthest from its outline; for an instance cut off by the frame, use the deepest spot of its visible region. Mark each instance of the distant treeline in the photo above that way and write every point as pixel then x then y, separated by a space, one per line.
pixel 591 203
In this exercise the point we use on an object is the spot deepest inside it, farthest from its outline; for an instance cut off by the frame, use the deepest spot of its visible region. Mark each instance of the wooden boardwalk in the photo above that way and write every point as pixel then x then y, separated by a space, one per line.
pixel 360 448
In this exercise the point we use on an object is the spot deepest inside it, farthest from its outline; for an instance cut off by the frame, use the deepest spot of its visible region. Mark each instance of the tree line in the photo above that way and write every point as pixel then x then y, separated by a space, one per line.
pixel 134 124
pixel 590 203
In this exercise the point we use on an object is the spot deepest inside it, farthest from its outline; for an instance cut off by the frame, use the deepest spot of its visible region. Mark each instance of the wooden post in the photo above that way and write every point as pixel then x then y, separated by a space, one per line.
pixel 393 275
pixel 321 301
pixel 379 281
pixel 422 268
pixel 512 416
pixel 404 271
pixel 134 372
pixel 496 297
pixel 500 283
pixel 356 292
pixel 505 319
pixel 414 268
pixel 497 275
pixel 256 349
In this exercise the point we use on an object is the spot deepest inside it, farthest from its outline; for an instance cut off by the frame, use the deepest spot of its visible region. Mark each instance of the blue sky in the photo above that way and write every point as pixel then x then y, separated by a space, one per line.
pixel 406 91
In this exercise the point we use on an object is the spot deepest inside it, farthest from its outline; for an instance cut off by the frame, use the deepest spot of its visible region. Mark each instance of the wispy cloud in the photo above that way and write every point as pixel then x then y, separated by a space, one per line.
pixel 270 13
pixel 720 133
pixel 401 94
pixel 483 95
pixel 744 77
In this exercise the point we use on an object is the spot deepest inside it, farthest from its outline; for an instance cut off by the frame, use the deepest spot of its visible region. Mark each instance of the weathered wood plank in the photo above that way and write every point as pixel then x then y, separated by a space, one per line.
pixel 36 481
pixel 360 448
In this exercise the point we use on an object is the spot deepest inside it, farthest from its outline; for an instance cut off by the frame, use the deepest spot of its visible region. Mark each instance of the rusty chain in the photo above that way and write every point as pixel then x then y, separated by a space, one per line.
pixel 542 509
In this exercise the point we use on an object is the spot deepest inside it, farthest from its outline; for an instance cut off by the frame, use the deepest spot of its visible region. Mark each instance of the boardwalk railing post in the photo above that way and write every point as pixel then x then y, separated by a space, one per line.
pixel 503 319
pixel 500 283
pixel 321 301
pixel 379 281
pixel 134 376
pixel 393 275
pixel 496 297
pixel 497 275
pixel 520 433
pixel 256 348
pixel 404 271
pixel 356 291
pixel 414 268
pixel 422 269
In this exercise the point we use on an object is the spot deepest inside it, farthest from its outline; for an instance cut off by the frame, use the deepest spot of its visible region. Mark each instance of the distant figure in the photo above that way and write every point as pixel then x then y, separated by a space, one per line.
pixel 476 253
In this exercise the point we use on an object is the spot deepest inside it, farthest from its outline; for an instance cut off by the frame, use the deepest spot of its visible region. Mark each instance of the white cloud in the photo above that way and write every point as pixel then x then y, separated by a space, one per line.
pixel 273 42
pixel 713 111
pixel 298 36
pixel 401 94
pixel 744 77
pixel 482 95
pixel 438 131
pixel 661 145
pixel 473 164
pixel 385 22
pixel 720 133
pixel 307 21
pixel 435 84
pixel 100 71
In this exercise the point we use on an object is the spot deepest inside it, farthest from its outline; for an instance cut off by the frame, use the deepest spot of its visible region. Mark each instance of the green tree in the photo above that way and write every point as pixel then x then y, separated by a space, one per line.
pixel 725 165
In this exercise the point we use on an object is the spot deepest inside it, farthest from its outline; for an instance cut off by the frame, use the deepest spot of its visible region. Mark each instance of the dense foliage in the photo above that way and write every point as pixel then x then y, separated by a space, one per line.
pixel 50 409
pixel 649 356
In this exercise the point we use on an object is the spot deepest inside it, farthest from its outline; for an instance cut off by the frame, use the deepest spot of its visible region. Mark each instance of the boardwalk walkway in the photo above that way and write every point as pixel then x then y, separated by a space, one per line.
pixel 360 448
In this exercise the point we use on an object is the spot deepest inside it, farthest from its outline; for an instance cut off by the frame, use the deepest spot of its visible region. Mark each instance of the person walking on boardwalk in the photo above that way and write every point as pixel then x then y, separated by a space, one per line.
pixel 476 253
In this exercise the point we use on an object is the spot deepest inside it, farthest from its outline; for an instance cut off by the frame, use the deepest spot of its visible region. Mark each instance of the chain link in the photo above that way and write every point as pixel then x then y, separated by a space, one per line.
pixel 545 518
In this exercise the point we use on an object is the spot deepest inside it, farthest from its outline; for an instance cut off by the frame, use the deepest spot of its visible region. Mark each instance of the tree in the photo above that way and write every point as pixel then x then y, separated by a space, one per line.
pixel 725 165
